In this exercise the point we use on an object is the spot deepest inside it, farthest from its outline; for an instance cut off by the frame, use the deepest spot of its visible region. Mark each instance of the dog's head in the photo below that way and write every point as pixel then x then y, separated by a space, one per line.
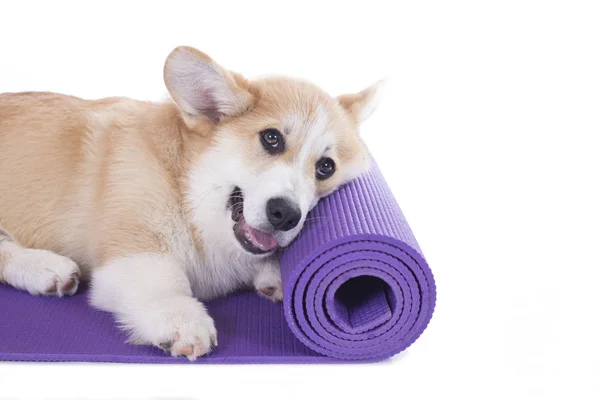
pixel 275 147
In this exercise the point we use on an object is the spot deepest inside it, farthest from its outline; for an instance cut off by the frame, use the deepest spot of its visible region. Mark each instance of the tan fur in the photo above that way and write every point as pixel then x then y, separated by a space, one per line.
pixel 83 178
pixel 94 180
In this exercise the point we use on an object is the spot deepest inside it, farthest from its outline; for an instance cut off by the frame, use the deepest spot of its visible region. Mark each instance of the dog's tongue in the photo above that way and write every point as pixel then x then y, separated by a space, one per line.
pixel 260 239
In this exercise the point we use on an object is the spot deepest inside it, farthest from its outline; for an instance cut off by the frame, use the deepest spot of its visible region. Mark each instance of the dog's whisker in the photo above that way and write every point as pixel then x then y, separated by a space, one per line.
pixel 212 189
pixel 237 207
pixel 310 219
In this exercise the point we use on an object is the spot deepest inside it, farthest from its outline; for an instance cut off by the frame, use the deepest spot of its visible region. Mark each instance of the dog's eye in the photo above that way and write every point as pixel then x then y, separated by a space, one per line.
pixel 325 168
pixel 272 140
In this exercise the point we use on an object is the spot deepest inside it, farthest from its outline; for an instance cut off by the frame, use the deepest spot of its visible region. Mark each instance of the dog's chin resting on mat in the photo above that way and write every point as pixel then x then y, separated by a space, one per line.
pixel 164 205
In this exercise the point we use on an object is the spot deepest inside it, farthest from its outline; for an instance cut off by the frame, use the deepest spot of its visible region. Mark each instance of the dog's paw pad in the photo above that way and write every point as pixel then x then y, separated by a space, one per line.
pixel 272 293
pixel 267 291
pixel 70 287
pixel 62 286
pixel 190 350
pixel 186 350
pixel 193 330
pixel 268 283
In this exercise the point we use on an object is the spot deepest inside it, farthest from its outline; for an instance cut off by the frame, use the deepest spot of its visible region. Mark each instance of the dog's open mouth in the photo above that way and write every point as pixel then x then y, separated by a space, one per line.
pixel 252 240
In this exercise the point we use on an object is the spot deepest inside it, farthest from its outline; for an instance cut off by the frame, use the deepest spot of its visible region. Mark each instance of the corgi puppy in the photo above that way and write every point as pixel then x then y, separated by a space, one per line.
pixel 164 205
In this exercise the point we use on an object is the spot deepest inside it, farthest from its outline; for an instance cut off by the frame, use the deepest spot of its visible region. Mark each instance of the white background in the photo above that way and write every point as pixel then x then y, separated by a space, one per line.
pixel 488 135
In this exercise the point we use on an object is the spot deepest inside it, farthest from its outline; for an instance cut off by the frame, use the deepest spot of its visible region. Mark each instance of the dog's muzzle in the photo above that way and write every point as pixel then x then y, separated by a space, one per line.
pixel 251 239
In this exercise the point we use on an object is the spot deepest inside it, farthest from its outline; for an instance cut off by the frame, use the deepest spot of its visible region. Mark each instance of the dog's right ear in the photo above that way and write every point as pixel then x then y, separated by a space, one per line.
pixel 202 88
pixel 361 105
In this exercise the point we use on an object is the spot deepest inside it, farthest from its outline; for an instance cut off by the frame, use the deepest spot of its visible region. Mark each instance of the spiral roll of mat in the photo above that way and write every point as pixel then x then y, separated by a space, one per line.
pixel 356 285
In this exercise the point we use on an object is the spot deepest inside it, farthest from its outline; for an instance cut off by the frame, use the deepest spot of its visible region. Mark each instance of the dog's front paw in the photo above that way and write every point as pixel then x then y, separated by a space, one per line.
pixel 179 326
pixel 268 283
pixel 43 272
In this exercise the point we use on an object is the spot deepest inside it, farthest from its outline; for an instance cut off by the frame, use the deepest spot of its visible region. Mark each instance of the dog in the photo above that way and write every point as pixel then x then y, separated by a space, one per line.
pixel 164 205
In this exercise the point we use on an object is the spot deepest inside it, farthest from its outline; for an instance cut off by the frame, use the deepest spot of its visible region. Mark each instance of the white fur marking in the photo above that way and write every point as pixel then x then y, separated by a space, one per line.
pixel 152 299
pixel 39 271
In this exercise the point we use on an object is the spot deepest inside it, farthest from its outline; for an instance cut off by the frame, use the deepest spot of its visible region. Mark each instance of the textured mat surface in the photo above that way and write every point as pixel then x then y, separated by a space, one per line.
pixel 356 288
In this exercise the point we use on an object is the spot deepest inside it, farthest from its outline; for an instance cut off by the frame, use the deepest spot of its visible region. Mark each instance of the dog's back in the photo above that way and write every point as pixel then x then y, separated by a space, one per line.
pixel 40 156
pixel 68 165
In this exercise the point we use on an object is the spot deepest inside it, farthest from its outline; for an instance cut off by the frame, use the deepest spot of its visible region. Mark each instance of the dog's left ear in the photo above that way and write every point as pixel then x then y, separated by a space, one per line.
pixel 362 104
pixel 202 88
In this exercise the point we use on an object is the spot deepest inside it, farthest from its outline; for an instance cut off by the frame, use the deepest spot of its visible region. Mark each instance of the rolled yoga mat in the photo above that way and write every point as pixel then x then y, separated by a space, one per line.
pixel 356 288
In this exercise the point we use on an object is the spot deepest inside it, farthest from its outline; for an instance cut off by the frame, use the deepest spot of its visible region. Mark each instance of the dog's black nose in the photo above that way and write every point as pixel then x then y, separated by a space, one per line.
pixel 283 214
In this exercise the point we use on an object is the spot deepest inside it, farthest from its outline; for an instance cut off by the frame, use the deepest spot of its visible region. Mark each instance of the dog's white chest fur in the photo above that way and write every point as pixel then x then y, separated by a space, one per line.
pixel 214 269
pixel 216 273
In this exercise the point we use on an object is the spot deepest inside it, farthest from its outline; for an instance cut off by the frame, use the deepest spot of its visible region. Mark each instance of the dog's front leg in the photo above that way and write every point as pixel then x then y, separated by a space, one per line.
pixel 151 298
pixel 267 280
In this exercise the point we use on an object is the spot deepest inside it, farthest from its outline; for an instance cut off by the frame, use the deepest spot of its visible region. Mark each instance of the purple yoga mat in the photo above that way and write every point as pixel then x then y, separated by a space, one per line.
pixel 356 288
